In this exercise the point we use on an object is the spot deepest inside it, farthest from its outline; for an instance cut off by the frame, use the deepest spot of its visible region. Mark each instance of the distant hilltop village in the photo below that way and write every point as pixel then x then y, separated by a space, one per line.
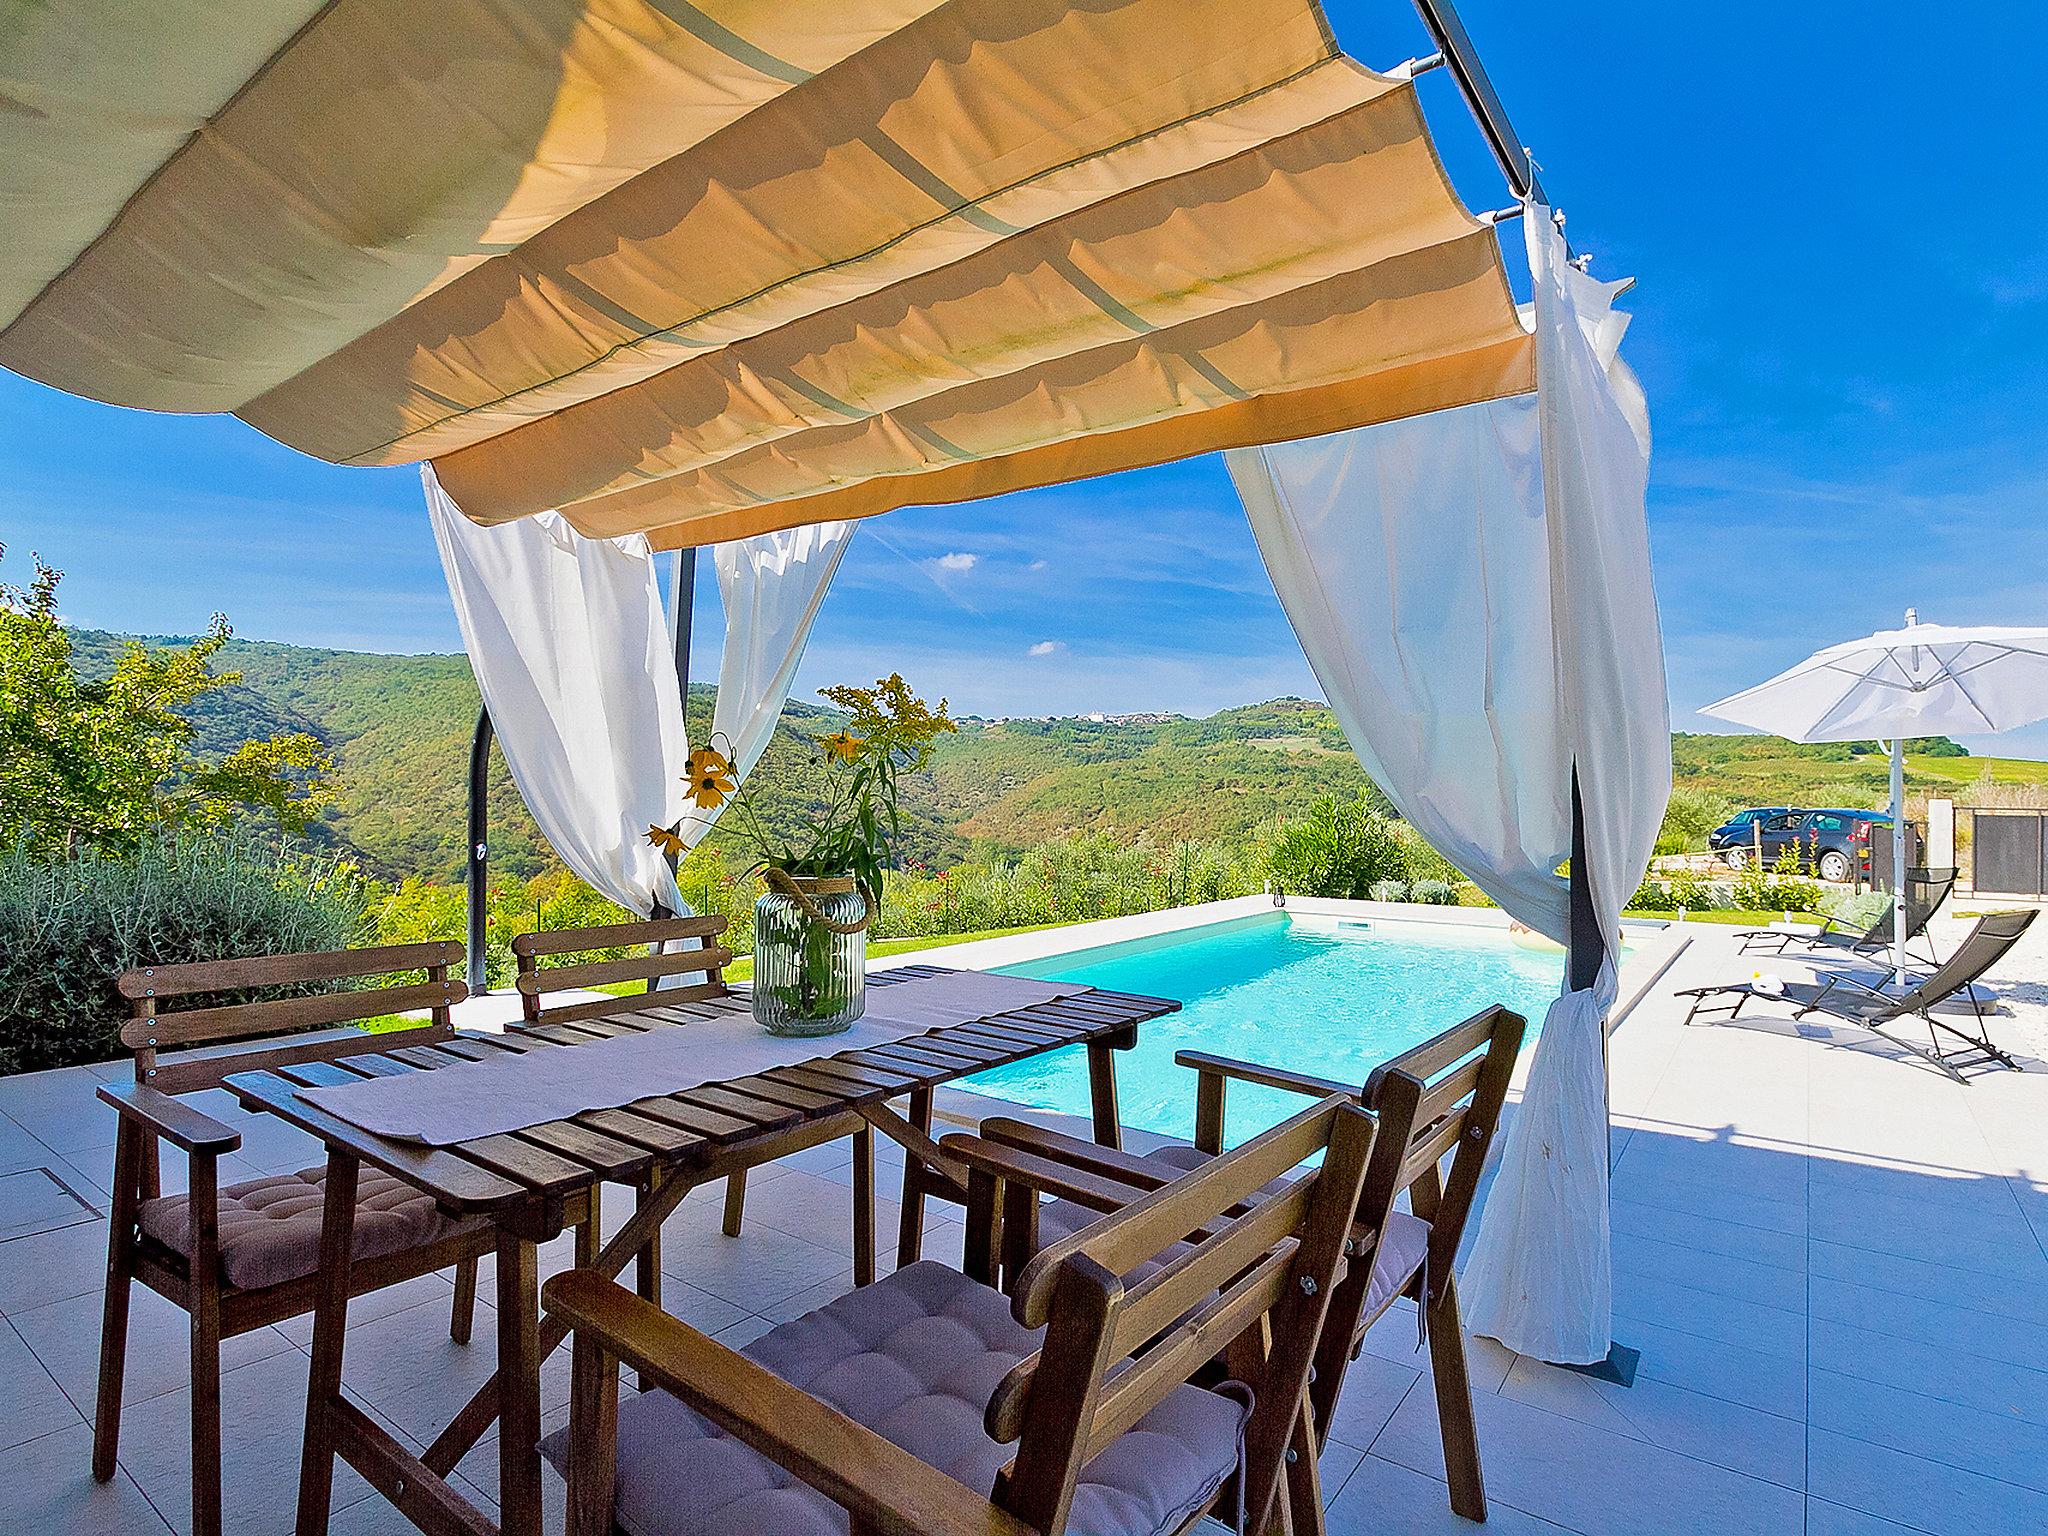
pixel 1093 717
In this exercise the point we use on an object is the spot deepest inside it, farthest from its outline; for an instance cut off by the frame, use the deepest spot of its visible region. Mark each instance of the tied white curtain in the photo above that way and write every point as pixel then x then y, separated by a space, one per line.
pixel 571 652
pixel 772 586
pixel 1473 591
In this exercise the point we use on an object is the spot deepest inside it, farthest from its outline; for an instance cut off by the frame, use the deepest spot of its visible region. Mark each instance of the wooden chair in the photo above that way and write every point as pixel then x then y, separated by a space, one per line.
pixel 707 959
pixel 930 1404
pixel 246 1255
pixel 1438 1097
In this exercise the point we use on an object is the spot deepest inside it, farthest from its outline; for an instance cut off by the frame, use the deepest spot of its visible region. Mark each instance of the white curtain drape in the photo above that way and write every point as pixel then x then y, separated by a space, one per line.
pixel 1473 591
pixel 772 586
pixel 571 652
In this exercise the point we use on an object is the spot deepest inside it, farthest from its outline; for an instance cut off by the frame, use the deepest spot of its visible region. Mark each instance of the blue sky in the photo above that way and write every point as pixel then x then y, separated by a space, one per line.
pixel 1841 323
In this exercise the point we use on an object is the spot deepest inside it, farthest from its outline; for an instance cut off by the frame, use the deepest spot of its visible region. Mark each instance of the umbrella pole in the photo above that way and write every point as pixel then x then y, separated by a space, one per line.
pixel 1899 860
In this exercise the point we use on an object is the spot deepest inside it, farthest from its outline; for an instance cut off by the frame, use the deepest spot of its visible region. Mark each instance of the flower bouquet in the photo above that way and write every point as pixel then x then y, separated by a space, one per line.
pixel 823 884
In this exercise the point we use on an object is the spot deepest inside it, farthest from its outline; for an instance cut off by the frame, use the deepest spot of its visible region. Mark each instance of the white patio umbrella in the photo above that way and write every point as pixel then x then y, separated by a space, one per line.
pixel 1922 680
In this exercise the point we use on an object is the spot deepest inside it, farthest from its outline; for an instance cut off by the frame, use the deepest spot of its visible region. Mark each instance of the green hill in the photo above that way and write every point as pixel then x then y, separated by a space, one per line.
pixel 399 729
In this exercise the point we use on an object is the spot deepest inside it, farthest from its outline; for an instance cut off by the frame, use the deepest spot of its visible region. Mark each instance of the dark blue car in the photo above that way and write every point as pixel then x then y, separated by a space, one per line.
pixel 1736 829
pixel 1833 843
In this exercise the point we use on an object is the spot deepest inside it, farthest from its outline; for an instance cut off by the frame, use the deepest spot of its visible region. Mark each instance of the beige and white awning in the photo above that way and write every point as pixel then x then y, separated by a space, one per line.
pixel 706 270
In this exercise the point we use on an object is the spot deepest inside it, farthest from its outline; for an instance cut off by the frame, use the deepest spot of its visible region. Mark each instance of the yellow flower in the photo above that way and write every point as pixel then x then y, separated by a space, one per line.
pixel 844 745
pixel 710 777
pixel 665 840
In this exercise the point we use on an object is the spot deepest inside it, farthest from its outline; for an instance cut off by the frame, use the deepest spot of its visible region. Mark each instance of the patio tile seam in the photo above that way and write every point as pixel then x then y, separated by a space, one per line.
pixel 1960 1342
pixel 1813 1243
pixel 1714 1469
pixel 1618 1400
pixel 2024 1274
pixel 51 1377
pixel 1890 1513
pixel 1850 1370
pixel 1745 1297
pixel 1891 1517
pixel 1670 1325
pixel 2033 1186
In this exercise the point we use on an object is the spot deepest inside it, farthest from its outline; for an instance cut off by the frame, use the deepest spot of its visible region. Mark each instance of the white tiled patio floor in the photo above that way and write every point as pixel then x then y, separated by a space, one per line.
pixel 1832 1260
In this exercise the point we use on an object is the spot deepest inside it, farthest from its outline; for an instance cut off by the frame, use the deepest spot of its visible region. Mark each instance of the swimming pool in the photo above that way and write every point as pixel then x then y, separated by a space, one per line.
pixel 1334 998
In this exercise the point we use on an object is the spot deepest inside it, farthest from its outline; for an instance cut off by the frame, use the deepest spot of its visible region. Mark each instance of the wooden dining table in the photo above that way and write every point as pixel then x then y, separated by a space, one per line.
pixel 533 1183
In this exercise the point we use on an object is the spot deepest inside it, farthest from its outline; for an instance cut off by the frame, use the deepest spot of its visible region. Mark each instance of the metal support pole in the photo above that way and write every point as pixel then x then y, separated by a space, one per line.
pixel 1584 955
pixel 1452 41
pixel 479 850
pixel 1587 948
pixel 682 606
pixel 682 603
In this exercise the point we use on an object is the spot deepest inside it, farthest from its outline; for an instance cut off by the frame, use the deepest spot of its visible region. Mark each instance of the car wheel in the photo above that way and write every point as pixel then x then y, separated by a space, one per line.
pixel 1834 866
pixel 1738 855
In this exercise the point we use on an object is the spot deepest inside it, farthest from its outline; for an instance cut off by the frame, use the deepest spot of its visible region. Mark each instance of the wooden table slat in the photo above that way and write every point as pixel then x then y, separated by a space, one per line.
pixel 551 1034
pixel 1022 1039
pixel 916 1056
pixel 468 1050
pixel 607 1155
pixel 317 1074
pixel 373 1066
pixel 539 1169
pixel 656 1135
pixel 783 1093
pixel 848 1091
pixel 889 1080
pixel 691 1117
pixel 759 1111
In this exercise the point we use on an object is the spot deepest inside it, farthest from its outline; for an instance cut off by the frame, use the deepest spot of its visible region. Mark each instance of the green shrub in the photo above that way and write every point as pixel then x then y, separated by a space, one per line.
pixel 1783 888
pixel 1421 860
pixel 1339 849
pixel 1689 815
pixel 70 926
pixel 1435 893
pixel 1390 890
pixel 1682 891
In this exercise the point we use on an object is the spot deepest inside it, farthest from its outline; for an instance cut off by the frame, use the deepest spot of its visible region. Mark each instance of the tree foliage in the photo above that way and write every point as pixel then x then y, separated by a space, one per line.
pixel 104 762
pixel 1341 849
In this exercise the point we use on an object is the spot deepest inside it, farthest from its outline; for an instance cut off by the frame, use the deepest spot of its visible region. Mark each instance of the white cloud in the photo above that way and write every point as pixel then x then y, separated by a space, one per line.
pixel 1046 648
pixel 1036 565
pixel 957 561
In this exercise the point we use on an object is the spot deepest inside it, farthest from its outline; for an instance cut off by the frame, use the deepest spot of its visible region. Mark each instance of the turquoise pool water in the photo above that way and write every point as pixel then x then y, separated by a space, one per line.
pixel 1334 1000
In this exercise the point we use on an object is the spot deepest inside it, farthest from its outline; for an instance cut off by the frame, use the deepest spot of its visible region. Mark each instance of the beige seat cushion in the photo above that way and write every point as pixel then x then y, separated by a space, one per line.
pixel 270 1227
pixel 915 1357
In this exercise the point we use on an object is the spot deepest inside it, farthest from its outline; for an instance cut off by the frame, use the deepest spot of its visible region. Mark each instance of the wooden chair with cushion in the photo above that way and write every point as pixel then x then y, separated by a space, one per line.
pixel 242 1256
pixel 1439 1098
pixel 931 1404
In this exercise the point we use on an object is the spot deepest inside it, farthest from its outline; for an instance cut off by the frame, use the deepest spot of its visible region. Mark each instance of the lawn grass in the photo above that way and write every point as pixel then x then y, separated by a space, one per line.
pixel 1742 919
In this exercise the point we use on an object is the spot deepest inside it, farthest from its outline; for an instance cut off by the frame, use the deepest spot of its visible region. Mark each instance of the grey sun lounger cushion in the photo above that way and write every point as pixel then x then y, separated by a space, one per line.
pixel 915 1357
pixel 270 1227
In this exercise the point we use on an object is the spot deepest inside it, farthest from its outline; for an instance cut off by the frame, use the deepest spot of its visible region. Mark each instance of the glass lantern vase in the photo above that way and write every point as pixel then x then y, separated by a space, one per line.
pixel 810 954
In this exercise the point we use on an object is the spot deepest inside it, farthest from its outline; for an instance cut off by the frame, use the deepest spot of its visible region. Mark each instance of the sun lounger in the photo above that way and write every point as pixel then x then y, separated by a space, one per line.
pixel 1926 890
pixel 1854 1002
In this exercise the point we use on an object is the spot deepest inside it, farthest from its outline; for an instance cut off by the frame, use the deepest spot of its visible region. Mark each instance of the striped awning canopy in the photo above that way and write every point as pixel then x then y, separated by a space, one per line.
pixel 703 270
